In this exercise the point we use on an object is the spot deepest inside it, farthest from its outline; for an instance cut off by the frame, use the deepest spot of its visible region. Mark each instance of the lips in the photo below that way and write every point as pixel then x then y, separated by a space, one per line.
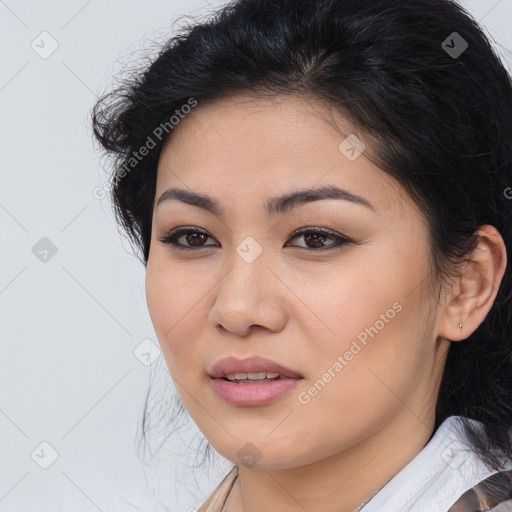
pixel 252 382
pixel 231 366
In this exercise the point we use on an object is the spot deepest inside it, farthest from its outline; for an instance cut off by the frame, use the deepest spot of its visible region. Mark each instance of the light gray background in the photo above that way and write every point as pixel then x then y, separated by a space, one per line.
pixel 70 325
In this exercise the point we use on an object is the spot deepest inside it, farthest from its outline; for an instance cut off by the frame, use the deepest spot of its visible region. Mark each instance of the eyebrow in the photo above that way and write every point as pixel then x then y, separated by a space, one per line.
pixel 274 206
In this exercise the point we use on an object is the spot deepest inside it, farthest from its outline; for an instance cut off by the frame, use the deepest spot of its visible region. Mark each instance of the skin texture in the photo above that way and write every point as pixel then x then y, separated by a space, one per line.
pixel 304 307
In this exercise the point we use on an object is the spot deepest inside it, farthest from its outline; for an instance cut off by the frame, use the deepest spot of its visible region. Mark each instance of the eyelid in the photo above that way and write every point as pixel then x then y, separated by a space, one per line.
pixel 171 237
pixel 339 239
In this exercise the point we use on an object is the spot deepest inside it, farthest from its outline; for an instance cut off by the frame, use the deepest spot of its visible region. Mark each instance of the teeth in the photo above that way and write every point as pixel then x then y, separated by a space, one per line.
pixel 252 376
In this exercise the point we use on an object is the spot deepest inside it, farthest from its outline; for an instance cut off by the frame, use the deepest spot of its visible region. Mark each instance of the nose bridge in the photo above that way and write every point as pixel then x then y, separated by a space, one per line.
pixel 245 295
pixel 247 267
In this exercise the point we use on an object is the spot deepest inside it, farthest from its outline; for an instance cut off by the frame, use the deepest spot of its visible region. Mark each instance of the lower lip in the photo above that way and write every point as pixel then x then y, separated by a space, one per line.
pixel 258 393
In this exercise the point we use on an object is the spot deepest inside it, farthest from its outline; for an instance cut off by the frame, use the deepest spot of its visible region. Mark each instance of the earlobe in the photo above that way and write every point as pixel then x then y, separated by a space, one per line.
pixel 476 288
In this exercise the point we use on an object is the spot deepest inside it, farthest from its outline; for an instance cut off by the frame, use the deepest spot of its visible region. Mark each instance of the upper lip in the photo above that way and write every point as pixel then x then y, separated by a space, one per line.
pixel 255 364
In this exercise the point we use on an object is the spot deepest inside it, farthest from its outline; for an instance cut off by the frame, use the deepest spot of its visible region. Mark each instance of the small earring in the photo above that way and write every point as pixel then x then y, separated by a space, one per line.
pixel 460 325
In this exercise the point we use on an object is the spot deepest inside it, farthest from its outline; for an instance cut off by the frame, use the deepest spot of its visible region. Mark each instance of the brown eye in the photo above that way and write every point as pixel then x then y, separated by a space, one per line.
pixel 195 239
pixel 191 238
pixel 315 239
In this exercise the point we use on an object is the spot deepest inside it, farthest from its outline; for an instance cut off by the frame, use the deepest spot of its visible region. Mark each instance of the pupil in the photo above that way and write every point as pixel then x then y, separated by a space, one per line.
pixel 318 243
pixel 195 235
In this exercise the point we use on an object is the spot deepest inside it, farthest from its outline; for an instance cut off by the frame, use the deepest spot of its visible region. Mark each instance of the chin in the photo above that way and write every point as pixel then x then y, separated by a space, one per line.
pixel 254 453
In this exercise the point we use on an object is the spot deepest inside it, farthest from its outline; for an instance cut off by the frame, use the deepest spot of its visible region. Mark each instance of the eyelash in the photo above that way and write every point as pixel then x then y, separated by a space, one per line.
pixel 172 237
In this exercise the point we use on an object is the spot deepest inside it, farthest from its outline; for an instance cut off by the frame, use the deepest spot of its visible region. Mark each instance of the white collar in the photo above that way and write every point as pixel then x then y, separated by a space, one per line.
pixel 434 480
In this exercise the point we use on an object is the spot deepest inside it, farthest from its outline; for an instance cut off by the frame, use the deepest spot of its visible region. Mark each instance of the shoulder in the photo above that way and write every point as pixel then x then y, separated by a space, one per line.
pixel 493 494
pixel 215 502
pixel 447 475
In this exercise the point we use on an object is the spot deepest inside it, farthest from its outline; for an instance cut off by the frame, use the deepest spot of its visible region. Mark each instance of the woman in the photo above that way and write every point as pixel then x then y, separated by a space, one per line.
pixel 321 193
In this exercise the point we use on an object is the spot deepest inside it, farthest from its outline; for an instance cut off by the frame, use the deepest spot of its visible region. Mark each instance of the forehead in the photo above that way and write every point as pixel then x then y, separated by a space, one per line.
pixel 283 123
pixel 263 146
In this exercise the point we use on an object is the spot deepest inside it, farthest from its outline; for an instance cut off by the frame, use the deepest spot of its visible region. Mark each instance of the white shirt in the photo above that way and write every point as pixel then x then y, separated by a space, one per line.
pixel 433 481
pixel 439 474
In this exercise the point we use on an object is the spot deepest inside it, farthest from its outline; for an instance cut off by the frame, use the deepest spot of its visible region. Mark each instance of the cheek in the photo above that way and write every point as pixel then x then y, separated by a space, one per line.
pixel 362 379
pixel 170 303
pixel 371 332
pixel 351 304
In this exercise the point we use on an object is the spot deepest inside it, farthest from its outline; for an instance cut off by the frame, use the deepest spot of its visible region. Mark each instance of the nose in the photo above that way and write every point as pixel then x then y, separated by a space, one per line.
pixel 250 295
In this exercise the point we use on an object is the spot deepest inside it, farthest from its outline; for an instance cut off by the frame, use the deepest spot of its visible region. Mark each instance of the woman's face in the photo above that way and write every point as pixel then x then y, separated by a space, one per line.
pixel 349 321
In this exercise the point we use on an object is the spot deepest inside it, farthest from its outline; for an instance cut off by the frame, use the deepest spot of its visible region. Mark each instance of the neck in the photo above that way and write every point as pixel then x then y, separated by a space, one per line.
pixel 339 483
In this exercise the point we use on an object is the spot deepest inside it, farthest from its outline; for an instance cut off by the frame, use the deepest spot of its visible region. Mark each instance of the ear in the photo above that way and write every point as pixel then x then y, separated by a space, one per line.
pixel 474 291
